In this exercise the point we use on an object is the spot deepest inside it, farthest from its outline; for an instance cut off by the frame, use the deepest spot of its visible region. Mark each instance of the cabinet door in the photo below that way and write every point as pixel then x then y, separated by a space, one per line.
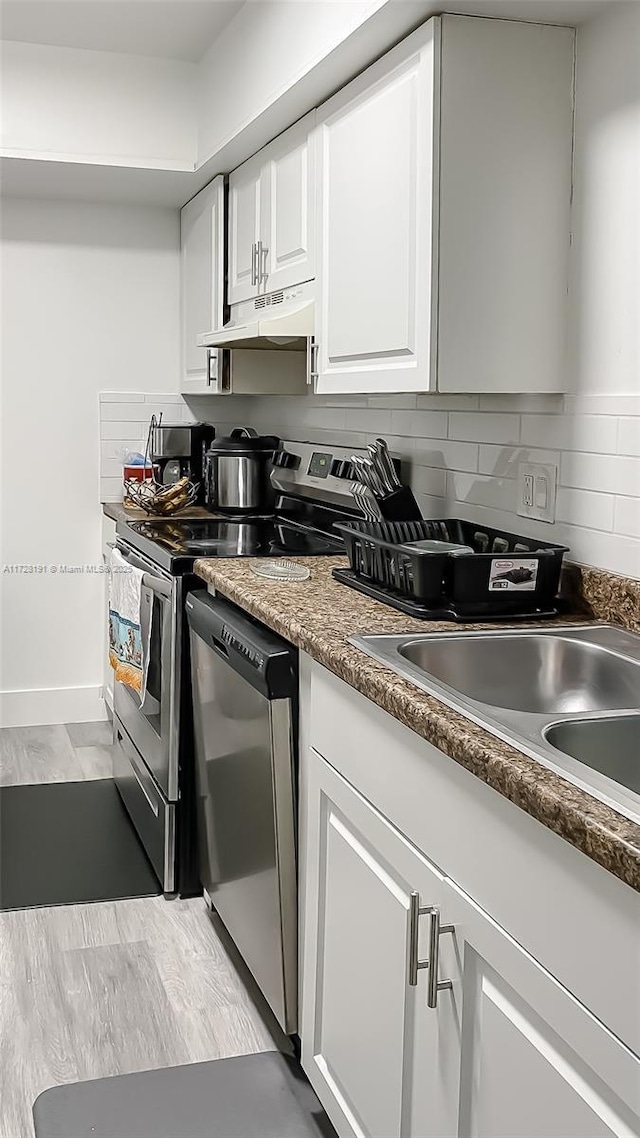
pixel 246 188
pixel 288 215
pixel 201 282
pixel 380 1061
pixel 376 207
pixel 533 1060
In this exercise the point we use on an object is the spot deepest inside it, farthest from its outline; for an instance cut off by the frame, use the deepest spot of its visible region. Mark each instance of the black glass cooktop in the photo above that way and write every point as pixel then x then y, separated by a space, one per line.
pixel 175 544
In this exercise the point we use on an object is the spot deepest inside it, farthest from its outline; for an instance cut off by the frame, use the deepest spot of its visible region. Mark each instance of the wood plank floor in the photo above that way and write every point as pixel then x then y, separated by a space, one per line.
pixel 88 991
pixel 61 753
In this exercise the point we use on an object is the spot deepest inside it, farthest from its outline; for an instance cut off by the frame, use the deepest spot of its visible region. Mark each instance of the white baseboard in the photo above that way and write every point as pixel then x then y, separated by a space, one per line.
pixel 44 706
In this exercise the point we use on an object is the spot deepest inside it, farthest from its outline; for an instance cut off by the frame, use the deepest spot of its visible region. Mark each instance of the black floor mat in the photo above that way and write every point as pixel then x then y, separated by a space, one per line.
pixel 64 843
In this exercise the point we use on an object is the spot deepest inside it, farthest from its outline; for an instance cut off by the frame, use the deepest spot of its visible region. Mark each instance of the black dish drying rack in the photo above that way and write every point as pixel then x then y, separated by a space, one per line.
pixel 503 576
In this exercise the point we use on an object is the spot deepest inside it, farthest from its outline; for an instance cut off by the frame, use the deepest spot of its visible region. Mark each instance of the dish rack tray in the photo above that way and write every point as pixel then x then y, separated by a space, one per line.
pixel 505 574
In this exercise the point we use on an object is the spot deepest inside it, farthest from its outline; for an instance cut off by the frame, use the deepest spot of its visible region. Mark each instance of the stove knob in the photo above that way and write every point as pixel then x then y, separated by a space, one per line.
pixel 342 468
pixel 287 460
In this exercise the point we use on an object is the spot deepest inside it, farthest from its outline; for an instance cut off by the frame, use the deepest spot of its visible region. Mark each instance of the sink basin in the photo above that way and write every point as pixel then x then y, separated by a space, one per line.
pixel 550 692
pixel 610 746
pixel 533 673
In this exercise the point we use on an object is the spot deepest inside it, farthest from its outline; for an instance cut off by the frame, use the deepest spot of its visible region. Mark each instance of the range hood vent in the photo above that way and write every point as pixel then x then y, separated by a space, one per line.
pixel 266 322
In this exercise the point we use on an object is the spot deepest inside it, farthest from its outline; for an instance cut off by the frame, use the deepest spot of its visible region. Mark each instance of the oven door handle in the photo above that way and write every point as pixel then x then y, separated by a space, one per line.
pixel 155 584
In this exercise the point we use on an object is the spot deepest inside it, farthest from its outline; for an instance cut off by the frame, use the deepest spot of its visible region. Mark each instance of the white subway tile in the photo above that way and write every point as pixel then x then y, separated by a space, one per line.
pixel 447 454
pixel 503 462
pixel 611 551
pixel 585 508
pixel 447 402
pixel 629 436
pixel 164 397
pixel 420 424
pixel 110 489
pixel 128 432
pixel 431 507
pixel 499 493
pixel 428 480
pixel 111 468
pixel 602 404
pixel 521 404
pixel 594 433
pixel 609 473
pixel 484 427
pixel 392 402
pixel 627 520
pixel 122 397
pixel 368 420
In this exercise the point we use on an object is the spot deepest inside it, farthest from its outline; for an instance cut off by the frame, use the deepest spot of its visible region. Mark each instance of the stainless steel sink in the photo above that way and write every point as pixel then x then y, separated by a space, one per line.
pixel 610 746
pixel 569 696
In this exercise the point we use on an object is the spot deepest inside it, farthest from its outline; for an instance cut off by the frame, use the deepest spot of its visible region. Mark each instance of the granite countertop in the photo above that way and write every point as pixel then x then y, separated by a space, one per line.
pixel 319 615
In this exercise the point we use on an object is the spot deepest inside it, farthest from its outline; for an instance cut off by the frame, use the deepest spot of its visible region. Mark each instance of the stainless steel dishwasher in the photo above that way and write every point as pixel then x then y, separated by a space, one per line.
pixel 244 706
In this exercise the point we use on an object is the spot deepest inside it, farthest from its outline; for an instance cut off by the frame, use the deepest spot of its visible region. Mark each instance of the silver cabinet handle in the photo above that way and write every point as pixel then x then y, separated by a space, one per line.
pixel 254 263
pixel 263 275
pixel 312 361
pixel 210 379
pixel 415 964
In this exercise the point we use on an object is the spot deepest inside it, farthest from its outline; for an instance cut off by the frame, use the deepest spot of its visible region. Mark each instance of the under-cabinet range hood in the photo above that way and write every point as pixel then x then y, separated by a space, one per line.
pixel 282 320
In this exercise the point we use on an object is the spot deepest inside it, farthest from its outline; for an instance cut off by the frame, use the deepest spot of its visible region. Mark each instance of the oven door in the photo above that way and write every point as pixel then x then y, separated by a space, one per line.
pixel 153 724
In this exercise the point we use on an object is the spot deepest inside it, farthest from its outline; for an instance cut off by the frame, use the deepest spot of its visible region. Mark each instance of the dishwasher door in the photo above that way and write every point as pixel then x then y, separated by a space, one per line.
pixel 244 694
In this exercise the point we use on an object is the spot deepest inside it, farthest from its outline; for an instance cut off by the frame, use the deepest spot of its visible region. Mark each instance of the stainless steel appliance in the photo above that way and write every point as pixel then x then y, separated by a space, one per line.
pixel 244 694
pixel 150 728
pixel 154 754
pixel 237 472
pixel 177 451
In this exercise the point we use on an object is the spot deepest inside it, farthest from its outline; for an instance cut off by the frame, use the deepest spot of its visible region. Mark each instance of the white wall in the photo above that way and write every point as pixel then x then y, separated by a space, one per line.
pixel 89 303
pixel 98 106
pixel 267 48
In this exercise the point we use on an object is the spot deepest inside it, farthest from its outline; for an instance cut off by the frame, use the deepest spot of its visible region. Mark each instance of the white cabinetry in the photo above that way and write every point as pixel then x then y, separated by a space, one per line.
pixel 500 1049
pixel 369 1045
pixel 202 223
pixel 533 1061
pixel 272 216
pixel 444 178
pixel 539 1034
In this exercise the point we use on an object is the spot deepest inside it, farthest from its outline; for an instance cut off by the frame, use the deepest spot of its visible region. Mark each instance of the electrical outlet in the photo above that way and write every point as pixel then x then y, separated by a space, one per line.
pixel 537 491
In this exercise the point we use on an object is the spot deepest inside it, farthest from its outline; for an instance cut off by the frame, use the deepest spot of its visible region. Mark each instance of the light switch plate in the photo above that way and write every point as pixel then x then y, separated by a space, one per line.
pixel 537 491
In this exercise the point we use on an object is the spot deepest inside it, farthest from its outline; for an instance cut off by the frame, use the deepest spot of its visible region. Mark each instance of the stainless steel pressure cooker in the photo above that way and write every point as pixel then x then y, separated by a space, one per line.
pixel 237 472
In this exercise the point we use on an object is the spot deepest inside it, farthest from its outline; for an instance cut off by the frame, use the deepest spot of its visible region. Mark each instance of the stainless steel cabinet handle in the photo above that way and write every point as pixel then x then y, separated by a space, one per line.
pixel 263 275
pixel 415 964
pixel 312 361
pixel 211 381
pixel 254 263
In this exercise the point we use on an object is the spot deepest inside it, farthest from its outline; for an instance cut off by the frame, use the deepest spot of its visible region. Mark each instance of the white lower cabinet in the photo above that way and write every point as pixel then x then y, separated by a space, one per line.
pixel 534 1062
pixel 506 1052
pixel 380 1060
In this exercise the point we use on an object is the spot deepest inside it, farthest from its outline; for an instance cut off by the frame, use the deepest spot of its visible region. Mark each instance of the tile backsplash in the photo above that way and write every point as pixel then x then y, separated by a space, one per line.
pixel 124 424
pixel 461 455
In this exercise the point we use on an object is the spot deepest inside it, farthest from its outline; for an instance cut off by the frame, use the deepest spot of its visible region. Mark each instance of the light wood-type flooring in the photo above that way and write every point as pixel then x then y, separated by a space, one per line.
pixel 93 990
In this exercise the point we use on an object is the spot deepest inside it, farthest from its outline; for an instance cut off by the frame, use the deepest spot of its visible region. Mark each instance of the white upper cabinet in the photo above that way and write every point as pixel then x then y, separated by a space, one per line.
pixel 272 216
pixel 202 223
pixel 246 190
pixel 375 225
pixel 444 181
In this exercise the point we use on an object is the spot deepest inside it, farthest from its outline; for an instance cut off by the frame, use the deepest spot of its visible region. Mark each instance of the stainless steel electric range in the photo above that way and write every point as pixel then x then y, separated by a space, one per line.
pixel 153 752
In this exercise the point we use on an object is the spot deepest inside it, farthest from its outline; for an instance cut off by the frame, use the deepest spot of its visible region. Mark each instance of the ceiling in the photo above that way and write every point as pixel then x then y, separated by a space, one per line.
pixel 166 29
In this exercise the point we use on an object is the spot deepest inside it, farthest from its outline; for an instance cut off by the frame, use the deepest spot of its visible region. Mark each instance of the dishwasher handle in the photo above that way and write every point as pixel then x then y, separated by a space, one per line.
pixel 262 658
